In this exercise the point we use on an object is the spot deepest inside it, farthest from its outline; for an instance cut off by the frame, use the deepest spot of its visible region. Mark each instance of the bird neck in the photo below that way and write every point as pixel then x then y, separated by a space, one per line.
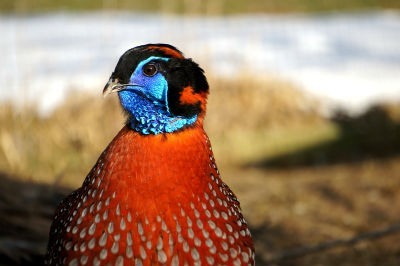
pixel 155 165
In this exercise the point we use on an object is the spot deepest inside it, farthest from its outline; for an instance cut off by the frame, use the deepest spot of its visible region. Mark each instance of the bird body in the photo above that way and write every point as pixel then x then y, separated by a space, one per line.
pixel 155 196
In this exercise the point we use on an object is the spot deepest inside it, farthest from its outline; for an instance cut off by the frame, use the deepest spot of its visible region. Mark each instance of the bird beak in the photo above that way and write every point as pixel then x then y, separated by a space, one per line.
pixel 112 85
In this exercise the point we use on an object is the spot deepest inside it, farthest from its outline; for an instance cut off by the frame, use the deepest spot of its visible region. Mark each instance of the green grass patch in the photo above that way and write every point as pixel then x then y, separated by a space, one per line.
pixel 198 7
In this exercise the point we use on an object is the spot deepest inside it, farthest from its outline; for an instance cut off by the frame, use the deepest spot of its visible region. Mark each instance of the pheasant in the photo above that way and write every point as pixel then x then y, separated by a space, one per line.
pixel 155 195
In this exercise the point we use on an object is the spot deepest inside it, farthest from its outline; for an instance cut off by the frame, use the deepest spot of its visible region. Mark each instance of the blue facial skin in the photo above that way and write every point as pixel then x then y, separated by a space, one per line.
pixel 147 103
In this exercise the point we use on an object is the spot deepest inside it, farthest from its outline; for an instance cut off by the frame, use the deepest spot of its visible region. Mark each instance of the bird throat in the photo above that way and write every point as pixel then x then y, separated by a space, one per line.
pixel 153 117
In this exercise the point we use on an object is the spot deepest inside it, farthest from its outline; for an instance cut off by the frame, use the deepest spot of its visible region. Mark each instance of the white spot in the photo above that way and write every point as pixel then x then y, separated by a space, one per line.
pixel 206 195
pixel 175 261
pixel 94 193
pixel 91 208
pixel 211 224
pixel 74 230
pixel 212 203
pixel 118 210
pixel 233 253
pixel 117 237
pixel 195 254
pixel 115 248
pixel 122 224
pixel 129 252
pixel 237 262
pixel 210 260
pixel 213 250
pixel 224 245
pixel 129 217
pixel 97 218
pixel 209 242
pixel 189 221
pixel 129 239
pixel 84 259
pixel 103 239
pixel 143 253
pixel 83 233
pixel 68 245
pixel 178 227
pixel 105 215
pixel 206 234
pixel 199 224
pixel 103 254
pixel 96 261
pixel 119 261
pixel 164 226
pixel 180 238
pixel 218 232
pixel 224 215
pixel 148 244
pixel 162 257
pixel 92 229
pixel 83 247
pixel 107 201
pixel 79 221
pixel 245 257
pixel 190 233
pixel 216 213
pixel 140 228
pixel 84 212
pixel 160 243
pixel 110 227
pixel 73 262
pixel 224 257
pixel 99 205
pixel 138 262
pixel 197 242
pixel 185 247
pixel 91 243
pixel 219 201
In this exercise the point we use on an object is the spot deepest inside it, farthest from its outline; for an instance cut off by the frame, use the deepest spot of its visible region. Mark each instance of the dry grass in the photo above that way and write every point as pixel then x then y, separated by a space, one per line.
pixel 301 179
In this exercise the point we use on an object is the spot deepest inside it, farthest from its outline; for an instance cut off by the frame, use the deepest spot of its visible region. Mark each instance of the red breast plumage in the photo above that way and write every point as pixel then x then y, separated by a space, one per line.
pixel 152 200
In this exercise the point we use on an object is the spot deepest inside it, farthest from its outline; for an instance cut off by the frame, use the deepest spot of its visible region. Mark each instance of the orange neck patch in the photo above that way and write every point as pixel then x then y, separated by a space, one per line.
pixel 188 96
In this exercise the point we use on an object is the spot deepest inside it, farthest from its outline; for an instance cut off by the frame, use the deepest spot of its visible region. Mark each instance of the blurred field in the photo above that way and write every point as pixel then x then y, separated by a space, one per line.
pixel 302 179
pixel 192 6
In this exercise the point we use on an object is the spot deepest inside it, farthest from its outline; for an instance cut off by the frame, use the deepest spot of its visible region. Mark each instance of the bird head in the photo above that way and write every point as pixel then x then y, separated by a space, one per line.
pixel 160 90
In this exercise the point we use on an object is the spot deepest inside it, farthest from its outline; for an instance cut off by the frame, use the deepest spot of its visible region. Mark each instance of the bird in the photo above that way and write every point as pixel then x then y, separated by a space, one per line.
pixel 155 195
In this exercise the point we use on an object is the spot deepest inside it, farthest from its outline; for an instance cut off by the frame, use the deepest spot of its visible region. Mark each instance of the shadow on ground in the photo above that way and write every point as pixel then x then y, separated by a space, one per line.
pixel 372 135
pixel 26 211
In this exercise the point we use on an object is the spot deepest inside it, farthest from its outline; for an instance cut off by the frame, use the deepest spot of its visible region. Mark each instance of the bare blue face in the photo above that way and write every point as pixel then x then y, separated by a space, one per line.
pixel 146 99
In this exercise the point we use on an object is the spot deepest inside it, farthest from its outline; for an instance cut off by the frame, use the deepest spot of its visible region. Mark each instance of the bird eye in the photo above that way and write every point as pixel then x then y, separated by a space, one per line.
pixel 150 69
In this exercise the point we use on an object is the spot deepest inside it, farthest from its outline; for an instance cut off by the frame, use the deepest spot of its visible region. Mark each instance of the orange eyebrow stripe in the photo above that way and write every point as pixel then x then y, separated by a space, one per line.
pixel 167 51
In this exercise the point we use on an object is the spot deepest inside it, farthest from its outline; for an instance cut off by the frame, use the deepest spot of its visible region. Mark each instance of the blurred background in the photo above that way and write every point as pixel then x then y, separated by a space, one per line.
pixel 303 115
